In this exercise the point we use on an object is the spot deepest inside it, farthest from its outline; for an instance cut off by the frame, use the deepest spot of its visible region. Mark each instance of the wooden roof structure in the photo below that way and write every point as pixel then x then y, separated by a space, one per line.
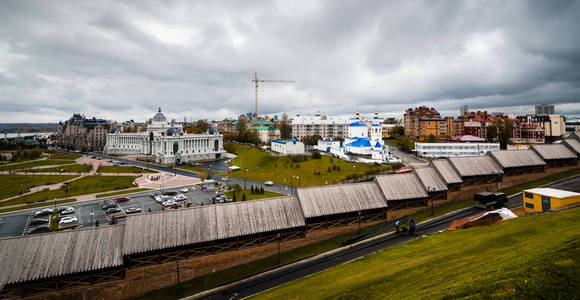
pixel 446 170
pixel 341 198
pixel 573 144
pixel 167 229
pixel 401 186
pixel 517 158
pixel 47 255
pixel 553 151
pixel 475 166
pixel 431 180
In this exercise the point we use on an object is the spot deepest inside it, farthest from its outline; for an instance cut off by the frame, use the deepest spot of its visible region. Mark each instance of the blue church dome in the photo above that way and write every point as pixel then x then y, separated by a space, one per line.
pixel 357 124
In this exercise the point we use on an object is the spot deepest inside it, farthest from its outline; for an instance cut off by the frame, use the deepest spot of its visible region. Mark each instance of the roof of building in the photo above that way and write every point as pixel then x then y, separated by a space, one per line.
pixel 261 122
pixel 159 116
pixel 357 124
pixel 342 198
pixel 446 171
pixel 363 142
pixel 282 141
pixel 517 158
pixel 553 151
pixel 571 135
pixel 161 230
pixel 431 180
pixel 313 120
pixel 475 165
pixel 46 255
pixel 550 192
pixel 262 128
pixel 467 138
pixel 573 144
pixel 401 186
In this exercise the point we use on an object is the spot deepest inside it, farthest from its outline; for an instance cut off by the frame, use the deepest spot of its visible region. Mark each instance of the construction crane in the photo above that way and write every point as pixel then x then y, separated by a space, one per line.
pixel 256 80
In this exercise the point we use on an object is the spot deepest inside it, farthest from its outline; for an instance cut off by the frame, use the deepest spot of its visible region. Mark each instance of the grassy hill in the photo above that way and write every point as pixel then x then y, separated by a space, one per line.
pixel 530 257
pixel 263 167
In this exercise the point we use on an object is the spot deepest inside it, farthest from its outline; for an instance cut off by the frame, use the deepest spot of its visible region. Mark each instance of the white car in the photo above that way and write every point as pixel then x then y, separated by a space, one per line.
pixel 68 220
pixel 184 189
pixel 268 183
pixel 180 197
pixel 225 179
pixel 170 202
pixel 160 198
pixel 68 211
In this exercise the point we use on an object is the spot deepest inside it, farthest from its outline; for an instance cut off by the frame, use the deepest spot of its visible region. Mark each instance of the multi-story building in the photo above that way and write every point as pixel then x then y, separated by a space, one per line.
pixel 443 150
pixel 463 110
pixel 83 134
pixel 329 128
pixel 423 121
pixel 287 147
pixel 554 126
pixel 167 142
pixel 545 109
pixel 266 133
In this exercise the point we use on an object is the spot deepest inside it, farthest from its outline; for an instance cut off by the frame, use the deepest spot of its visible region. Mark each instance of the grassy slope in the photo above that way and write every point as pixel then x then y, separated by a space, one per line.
pixel 250 196
pixel 213 280
pixel 122 169
pixel 10 185
pixel 262 167
pixel 85 185
pixel 527 257
pixel 68 168
pixel 28 165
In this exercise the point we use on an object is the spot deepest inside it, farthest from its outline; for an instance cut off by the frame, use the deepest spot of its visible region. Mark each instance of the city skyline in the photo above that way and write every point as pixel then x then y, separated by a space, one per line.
pixel 121 61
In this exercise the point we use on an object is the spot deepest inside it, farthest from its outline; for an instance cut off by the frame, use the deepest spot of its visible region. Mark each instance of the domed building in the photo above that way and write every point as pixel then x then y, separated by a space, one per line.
pixel 166 142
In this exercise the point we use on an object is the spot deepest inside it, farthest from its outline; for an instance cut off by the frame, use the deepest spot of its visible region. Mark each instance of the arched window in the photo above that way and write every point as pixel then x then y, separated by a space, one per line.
pixel 175 147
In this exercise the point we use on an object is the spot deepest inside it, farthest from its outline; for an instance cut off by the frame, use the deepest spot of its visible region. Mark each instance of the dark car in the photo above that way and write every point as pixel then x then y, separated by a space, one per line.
pixel 39 229
pixel 154 194
pixel 113 210
pixel 122 199
pixel 43 213
pixel 36 222
pixel 170 193
pixel 109 206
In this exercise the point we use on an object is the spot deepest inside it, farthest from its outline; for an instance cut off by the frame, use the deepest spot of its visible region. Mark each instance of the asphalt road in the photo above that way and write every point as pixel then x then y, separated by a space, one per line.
pixel 281 276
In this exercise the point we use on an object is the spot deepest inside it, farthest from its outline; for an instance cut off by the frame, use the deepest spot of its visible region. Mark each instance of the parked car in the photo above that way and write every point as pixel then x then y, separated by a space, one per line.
pixel 39 229
pixel 269 183
pixel 169 193
pixel 132 210
pixel 169 203
pixel 184 189
pixel 161 198
pixel 36 222
pixel 67 210
pixel 43 212
pixel 180 197
pixel 92 156
pixel 107 202
pixel 68 220
pixel 225 179
pixel 109 206
pixel 154 194
pixel 122 199
pixel 113 210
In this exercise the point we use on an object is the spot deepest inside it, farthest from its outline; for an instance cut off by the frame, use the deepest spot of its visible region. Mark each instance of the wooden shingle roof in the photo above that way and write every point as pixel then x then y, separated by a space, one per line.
pixel 573 145
pixel 47 255
pixel 445 169
pixel 401 186
pixel 517 158
pixel 161 230
pixel 475 166
pixel 342 198
pixel 553 151
pixel 431 180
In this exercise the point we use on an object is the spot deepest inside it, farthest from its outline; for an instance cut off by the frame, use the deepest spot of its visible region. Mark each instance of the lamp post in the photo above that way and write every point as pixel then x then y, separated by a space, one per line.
pixel 245 176
pixel 359 220
pixel 432 209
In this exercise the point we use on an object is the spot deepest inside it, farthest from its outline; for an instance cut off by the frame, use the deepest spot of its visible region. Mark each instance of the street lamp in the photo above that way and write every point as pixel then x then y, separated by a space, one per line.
pixel 245 176
pixel 359 220
pixel 432 209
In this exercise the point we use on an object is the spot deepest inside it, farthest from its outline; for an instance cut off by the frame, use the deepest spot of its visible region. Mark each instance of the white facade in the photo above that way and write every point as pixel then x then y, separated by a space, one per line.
pixel 326 127
pixel 442 150
pixel 167 142
pixel 286 147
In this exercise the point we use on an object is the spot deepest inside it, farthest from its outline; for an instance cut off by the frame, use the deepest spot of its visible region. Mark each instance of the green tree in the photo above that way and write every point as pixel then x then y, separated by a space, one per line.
pixel 316 154
pixel 262 190
pixel 244 197
pixel 285 130
pixel 398 132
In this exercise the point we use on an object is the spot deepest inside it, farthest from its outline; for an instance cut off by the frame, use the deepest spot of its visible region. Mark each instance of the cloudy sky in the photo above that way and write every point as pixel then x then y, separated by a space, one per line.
pixel 122 59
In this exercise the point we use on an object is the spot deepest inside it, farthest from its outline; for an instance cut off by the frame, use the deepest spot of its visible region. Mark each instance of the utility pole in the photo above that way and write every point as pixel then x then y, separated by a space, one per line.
pixel 256 81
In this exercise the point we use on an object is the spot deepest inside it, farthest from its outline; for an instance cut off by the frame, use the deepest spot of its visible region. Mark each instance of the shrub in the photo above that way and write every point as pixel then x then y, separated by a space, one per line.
pixel 316 154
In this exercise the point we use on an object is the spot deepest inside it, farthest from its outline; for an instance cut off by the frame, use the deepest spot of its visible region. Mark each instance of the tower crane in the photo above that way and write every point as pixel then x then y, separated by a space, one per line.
pixel 256 80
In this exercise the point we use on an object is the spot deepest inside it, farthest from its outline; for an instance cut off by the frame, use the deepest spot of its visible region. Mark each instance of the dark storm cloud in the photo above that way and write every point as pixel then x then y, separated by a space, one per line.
pixel 120 60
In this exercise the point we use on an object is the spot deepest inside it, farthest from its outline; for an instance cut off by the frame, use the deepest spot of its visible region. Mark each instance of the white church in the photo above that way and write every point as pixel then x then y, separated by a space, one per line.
pixel 166 142
pixel 364 142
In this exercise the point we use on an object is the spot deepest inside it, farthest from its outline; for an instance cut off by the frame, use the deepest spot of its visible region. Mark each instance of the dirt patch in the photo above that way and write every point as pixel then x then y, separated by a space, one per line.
pixel 484 221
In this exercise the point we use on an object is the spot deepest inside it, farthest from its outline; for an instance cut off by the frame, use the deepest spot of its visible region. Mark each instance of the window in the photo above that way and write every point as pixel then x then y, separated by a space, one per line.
pixel 529 195
pixel 529 205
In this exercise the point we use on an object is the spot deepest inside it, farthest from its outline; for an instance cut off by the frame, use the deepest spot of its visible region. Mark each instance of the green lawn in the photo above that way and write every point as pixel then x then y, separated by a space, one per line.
pixel 213 280
pixel 527 258
pixel 122 169
pixel 279 169
pixel 76 168
pixel 48 203
pixel 250 196
pixel 62 155
pixel 85 185
pixel 122 192
pixel 12 185
pixel 32 164
pixel 541 181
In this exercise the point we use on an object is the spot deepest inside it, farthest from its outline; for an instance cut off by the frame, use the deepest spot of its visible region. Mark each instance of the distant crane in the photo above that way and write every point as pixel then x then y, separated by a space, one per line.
pixel 256 80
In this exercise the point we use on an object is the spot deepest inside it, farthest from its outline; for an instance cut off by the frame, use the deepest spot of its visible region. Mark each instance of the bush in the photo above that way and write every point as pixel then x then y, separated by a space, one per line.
pixel 316 154
pixel 244 197
pixel 329 170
